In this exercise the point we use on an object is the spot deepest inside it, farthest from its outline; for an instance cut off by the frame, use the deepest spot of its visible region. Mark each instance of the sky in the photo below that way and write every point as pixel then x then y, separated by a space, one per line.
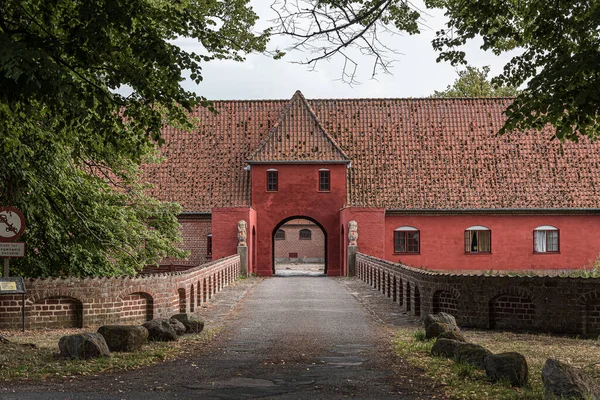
pixel 415 73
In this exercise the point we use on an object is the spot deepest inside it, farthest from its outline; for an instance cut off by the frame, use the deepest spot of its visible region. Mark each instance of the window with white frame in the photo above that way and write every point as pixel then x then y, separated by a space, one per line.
pixel 407 240
pixel 478 239
pixel 546 239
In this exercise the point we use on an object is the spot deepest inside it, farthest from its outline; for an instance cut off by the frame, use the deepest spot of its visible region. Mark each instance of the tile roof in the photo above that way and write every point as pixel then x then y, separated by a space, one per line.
pixel 298 136
pixel 405 154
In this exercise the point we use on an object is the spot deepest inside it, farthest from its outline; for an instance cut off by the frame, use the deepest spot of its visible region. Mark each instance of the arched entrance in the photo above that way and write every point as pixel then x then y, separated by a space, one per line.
pixel 299 240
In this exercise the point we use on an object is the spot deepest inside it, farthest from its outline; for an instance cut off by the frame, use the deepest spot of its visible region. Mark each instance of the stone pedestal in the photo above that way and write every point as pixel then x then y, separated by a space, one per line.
pixel 243 253
pixel 352 250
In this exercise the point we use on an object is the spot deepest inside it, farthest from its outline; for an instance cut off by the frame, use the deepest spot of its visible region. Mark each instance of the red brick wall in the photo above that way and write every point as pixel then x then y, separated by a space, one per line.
pixel 89 302
pixel 194 230
pixel 312 250
pixel 56 312
pixel 297 196
pixel 225 230
pixel 543 303
pixel 136 308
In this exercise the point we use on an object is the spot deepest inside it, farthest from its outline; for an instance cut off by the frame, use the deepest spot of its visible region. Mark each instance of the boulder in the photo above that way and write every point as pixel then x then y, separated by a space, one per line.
pixel 470 353
pixel 511 367
pixel 564 381
pixel 124 337
pixel 434 330
pixel 178 327
pixel 442 318
pixel 192 325
pixel 160 330
pixel 83 346
pixel 454 335
pixel 445 347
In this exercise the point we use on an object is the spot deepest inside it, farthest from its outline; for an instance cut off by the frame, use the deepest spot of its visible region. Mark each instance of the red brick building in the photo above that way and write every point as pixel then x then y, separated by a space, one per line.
pixel 428 181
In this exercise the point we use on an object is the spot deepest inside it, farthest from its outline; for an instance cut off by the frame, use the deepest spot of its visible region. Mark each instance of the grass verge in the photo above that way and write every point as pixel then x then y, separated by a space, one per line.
pixel 20 362
pixel 462 381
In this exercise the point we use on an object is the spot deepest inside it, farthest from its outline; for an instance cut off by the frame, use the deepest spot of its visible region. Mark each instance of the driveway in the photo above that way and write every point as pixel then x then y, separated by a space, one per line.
pixel 290 337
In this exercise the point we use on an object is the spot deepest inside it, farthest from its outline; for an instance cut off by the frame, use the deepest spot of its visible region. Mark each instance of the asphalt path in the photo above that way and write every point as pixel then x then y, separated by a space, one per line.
pixel 287 337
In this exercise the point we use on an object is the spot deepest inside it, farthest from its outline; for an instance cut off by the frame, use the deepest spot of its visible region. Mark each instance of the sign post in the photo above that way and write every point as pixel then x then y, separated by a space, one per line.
pixel 12 225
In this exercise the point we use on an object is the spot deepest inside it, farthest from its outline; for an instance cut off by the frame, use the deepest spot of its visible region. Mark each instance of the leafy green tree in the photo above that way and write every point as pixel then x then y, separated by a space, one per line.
pixel 474 82
pixel 557 46
pixel 85 87
pixel 554 45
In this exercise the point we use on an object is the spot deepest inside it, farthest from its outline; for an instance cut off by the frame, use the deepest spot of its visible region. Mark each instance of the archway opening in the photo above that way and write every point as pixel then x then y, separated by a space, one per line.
pixel 299 247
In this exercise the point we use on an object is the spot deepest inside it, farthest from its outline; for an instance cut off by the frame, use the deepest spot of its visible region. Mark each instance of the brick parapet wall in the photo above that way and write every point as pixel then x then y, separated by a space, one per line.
pixel 539 303
pixel 102 301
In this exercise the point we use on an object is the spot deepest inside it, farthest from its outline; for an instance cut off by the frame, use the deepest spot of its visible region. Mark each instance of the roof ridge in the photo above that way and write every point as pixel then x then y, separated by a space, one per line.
pixel 284 113
pixel 359 99
pixel 327 135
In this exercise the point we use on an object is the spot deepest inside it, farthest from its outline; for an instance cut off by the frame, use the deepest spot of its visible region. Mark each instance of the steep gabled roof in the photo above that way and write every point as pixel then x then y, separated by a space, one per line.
pixel 406 154
pixel 298 136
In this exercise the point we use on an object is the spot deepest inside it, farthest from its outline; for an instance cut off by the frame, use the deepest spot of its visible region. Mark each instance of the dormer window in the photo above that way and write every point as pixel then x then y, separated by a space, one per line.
pixel 324 180
pixel 272 180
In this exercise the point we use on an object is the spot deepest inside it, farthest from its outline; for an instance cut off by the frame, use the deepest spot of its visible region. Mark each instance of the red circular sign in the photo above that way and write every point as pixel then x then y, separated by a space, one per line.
pixel 12 224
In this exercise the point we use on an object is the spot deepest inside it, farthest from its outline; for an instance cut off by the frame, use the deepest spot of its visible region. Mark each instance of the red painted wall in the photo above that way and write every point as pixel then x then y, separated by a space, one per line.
pixel 371 224
pixel 224 231
pixel 442 242
pixel 297 195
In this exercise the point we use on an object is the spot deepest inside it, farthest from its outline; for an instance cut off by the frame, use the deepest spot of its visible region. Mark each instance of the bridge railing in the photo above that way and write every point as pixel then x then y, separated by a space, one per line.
pixel 83 302
pixel 540 303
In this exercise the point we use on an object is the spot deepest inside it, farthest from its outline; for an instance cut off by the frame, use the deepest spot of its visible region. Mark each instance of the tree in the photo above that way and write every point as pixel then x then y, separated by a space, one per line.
pixel 556 46
pixel 85 88
pixel 474 82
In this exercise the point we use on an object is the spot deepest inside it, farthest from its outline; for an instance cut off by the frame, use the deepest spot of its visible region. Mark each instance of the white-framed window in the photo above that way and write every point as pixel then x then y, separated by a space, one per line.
pixel 546 239
pixel 407 239
pixel 478 239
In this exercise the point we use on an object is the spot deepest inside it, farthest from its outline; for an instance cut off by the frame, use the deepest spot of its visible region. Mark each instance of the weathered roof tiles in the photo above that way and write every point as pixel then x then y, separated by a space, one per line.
pixel 405 154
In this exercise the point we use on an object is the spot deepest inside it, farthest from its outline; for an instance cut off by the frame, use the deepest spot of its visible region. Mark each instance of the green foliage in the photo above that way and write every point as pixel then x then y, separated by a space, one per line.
pixel 557 47
pixel 73 142
pixel 474 82
pixel 420 335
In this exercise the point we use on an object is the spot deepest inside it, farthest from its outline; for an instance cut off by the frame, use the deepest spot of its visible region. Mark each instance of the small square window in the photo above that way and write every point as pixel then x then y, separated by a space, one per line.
pixel 478 241
pixel 280 234
pixel 324 181
pixel 406 242
pixel 305 234
pixel 272 181
pixel 546 240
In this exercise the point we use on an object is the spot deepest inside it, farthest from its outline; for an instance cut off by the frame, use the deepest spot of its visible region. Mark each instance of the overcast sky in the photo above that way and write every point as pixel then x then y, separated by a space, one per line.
pixel 415 74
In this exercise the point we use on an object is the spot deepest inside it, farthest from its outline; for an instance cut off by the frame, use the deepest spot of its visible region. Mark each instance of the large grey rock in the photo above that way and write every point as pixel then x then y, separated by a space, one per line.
pixel 443 318
pixel 454 335
pixel 511 367
pixel 160 330
pixel 436 329
pixel 445 347
pixel 192 325
pixel 124 337
pixel 563 381
pixel 83 346
pixel 473 354
pixel 178 327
